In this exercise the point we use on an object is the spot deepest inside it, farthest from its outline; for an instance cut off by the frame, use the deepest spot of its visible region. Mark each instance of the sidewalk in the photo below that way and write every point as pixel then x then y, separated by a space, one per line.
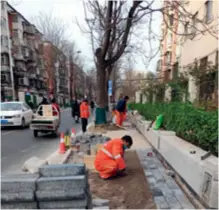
pixel 166 193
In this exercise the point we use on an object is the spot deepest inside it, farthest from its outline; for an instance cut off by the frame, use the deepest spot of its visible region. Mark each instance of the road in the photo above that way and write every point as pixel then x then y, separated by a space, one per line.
pixel 18 145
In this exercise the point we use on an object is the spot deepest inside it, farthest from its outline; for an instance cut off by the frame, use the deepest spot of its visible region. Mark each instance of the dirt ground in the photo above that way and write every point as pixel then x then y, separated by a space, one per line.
pixel 129 192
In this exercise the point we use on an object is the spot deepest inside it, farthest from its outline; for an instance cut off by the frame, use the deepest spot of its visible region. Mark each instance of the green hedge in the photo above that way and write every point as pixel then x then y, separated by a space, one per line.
pixel 194 125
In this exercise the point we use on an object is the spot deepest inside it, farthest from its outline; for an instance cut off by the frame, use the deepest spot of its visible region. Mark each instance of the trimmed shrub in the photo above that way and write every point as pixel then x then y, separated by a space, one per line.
pixel 194 125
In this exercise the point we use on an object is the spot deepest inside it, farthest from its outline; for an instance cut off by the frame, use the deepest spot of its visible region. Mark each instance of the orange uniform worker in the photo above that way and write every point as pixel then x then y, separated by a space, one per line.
pixel 120 109
pixel 54 104
pixel 84 114
pixel 109 160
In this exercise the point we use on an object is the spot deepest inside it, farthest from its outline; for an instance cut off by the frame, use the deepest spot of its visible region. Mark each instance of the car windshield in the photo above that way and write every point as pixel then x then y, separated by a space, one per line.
pixel 11 107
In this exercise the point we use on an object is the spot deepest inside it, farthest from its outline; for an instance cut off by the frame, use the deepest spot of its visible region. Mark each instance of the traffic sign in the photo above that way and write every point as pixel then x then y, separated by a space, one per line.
pixel 110 88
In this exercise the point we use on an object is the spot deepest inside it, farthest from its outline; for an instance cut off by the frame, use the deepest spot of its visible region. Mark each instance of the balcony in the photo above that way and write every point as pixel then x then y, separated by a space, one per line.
pixel 5 78
pixel 17 53
pixel 5 68
pixel 29 29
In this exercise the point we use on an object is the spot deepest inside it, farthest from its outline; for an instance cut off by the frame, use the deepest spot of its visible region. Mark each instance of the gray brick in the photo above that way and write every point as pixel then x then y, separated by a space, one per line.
pixel 67 194
pixel 161 203
pixel 61 183
pixel 157 175
pixel 151 181
pixel 183 200
pixel 102 207
pixel 18 183
pixel 164 188
pixel 20 205
pixel 74 204
pixel 62 170
pixel 17 197
pixel 148 173
pixel 172 201
pixel 172 184
pixel 156 191
pixel 152 166
pixel 100 202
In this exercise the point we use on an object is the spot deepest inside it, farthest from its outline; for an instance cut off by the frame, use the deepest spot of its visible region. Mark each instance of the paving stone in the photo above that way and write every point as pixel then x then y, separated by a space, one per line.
pixel 151 181
pixel 157 175
pixel 18 183
pixel 161 202
pixel 152 166
pixel 61 183
pixel 156 191
pixel 164 188
pixel 20 205
pixel 62 170
pixel 183 200
pixel 171 183
pixel 148 173
pixel 68 194
pixel 172 201
pixel 100 202
pixel 74 204
pixel 17 197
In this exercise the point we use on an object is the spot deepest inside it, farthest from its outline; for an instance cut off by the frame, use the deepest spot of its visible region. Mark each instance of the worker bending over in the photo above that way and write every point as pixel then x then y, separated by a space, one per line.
pixel 109 160
pixel 120 110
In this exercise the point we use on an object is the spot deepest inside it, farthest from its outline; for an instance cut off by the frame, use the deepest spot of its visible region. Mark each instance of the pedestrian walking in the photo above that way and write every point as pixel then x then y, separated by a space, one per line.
pixel 75 110
pixel 84 114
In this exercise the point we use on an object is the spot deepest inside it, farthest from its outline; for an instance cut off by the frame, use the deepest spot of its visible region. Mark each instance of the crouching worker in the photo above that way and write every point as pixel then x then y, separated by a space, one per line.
pixel 109 160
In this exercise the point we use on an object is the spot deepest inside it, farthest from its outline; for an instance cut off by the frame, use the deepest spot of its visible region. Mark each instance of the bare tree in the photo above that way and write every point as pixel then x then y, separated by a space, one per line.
pixel 53 29
pixel 112 25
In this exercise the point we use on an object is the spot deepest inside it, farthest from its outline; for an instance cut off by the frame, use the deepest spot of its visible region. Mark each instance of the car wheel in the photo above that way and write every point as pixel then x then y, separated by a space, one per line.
pixel 23 123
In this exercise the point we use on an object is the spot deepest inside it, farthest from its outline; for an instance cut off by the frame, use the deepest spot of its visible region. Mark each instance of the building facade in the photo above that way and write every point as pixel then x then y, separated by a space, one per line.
pixel 57 68
pixel 201 46
pixel 23 59
pixel 187 39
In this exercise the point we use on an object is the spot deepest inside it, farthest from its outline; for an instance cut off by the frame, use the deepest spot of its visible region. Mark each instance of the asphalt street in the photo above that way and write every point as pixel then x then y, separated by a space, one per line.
pixel 18 145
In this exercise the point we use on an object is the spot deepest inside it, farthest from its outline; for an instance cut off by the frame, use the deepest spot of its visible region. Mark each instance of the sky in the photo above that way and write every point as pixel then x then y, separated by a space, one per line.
pixel 68 10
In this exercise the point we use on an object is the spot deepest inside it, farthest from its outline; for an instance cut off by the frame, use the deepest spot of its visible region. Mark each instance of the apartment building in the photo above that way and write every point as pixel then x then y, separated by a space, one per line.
pixel 24 56
pixel 57 68
pixel 185 41
pixel 201 46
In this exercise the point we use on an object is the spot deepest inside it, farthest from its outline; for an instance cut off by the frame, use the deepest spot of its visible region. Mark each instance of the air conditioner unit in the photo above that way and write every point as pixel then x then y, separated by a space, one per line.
pixel 23 81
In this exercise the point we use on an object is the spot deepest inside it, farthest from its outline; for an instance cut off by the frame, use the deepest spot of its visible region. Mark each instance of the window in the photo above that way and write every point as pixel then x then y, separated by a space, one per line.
pixel 4 41
pixel 3 5
pixel 3 23
pixel 216 58
pixel 14 18
pixel 4 60
pixel 208 11
pixel 15 33
pixel 204 63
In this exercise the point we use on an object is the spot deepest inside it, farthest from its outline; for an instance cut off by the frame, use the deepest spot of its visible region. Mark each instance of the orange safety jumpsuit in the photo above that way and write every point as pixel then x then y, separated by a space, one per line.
pixel 109 159
pixel 84 110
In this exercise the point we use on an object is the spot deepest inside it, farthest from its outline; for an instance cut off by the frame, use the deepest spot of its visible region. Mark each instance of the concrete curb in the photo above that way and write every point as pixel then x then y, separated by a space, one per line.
pixel 57 158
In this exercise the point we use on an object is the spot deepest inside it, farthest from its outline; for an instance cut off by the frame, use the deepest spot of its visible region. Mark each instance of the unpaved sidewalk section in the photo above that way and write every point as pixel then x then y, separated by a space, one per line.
pixel 129 192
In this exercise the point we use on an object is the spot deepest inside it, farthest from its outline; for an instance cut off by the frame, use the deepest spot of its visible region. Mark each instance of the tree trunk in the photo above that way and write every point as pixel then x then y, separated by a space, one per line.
pixel 101 93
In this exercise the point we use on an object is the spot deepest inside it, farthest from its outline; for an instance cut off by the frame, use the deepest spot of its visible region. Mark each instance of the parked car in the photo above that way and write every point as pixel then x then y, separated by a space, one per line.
pixel 15 113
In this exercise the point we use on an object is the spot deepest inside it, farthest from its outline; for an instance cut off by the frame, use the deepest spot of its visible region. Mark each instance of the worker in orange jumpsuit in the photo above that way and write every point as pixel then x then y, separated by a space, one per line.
pixel 109 161
pixel 120 109
pixel 84 114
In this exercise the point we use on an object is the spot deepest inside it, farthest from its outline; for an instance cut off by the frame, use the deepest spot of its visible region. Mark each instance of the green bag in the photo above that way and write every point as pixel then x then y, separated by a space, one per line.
pixel 158 122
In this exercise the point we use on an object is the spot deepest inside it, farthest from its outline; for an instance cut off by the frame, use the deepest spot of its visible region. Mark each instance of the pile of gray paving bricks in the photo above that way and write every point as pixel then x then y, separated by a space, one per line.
pixel 90 138
pixel 55 187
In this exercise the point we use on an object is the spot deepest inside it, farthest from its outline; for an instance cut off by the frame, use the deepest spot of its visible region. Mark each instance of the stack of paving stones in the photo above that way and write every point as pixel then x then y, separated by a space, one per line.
pixel 167 194
pixel 87 140
pixel 90 138
pixel 18 191
pixel 63 187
